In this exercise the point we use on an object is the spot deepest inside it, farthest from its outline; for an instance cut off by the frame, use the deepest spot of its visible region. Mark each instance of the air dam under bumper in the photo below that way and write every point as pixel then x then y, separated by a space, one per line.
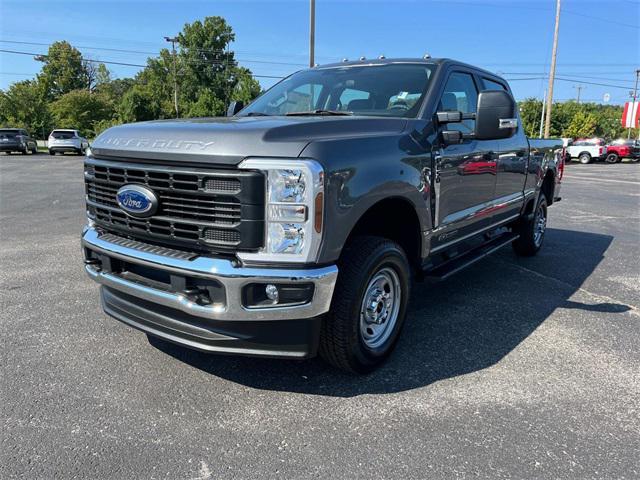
pixel 152 289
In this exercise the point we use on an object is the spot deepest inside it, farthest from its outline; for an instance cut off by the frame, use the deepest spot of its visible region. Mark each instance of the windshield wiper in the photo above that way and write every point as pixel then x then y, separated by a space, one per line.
pixel 319 112
pixel 257 114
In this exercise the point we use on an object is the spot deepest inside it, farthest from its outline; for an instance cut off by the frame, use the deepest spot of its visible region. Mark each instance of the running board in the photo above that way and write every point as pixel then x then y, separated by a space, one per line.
pixel 448 268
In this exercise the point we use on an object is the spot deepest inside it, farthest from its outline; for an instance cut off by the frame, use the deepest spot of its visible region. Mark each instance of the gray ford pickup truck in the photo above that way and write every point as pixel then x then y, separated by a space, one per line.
pixel 297 224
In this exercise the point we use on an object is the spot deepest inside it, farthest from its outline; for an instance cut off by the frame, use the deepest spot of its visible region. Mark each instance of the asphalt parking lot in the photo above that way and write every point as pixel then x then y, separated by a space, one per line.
pixel 514 368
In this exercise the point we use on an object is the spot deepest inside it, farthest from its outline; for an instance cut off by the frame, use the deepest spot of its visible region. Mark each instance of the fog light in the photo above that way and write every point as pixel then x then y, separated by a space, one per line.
pixel 266 295
pixel 272 292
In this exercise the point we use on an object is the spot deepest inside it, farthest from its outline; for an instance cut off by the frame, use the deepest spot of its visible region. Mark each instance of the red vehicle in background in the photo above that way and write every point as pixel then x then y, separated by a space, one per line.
pixel 622 148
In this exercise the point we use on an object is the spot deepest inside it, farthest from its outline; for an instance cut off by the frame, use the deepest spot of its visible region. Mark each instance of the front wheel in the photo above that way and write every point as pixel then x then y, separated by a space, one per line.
pixel 612 158
pixel 584 158
pixel 369 305
pixel 532 230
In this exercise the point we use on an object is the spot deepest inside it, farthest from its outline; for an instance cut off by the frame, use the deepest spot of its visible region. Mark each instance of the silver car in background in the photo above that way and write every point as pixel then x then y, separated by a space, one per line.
pixel 63 140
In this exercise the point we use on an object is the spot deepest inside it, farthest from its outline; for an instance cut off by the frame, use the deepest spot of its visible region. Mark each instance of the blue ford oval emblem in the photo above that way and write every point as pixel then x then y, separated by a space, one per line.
pixel 137 201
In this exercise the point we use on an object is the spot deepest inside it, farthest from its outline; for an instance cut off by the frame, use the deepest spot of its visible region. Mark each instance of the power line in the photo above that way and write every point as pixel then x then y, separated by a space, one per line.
pixel 606 20
pixel 140 52
pixel 107 62
pixel 569 74
pixel 564 79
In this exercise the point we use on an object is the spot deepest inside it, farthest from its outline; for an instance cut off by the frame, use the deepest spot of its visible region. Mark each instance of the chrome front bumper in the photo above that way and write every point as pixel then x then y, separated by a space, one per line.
pixel 232 278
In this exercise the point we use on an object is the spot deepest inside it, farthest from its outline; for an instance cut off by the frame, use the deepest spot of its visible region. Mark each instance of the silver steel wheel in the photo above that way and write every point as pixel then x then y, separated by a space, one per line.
pixel 380 307
pixel 539 226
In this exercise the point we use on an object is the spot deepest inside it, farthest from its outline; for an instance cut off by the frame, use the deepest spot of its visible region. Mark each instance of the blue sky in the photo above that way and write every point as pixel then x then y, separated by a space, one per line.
pixel 599 40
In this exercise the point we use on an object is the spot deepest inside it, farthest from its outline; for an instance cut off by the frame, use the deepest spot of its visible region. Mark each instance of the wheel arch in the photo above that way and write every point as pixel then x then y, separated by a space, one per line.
pixel 400 223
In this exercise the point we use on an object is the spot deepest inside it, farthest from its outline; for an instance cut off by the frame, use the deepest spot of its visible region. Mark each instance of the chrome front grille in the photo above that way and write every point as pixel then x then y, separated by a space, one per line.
pixel 201 208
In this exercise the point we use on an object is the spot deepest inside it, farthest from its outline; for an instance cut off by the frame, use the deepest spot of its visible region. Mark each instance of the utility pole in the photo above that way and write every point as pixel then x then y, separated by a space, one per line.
pixel 312 32
pixel 579 88
pixel 635 96
pixel 544 103
pixel 173 41
pixel 552 72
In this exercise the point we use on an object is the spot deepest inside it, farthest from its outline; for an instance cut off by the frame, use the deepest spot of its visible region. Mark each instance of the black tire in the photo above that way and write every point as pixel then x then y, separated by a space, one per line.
pixel 342 338
pixel 26 150
pixel 531 238
pixel 51 152
pixel 612 158
pixel 585 158
pixel 34 150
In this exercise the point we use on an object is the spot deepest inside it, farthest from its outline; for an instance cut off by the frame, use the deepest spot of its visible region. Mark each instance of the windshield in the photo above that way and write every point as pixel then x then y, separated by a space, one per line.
pixel 393 90
pixel 62 134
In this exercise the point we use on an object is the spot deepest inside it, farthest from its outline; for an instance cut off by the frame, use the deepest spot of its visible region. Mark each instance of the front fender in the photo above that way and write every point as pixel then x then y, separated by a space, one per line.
pixel 360 173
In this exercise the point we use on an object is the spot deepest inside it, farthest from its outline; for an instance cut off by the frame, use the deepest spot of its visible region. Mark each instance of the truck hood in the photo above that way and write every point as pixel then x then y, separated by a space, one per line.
pixel 227 141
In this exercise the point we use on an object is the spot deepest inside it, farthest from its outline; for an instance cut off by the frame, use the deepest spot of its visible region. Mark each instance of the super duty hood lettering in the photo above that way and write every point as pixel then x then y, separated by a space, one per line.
pixel 153 144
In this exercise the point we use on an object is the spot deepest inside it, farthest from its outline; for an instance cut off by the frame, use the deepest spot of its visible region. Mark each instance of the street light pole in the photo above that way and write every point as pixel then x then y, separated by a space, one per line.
pixel 552 72
pixel 544 104
pixel 312 32
pixel 579 88
pixel 173 41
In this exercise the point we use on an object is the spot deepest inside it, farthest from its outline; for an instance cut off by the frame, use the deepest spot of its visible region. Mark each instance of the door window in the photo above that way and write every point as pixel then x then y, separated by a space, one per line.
pixel 460 94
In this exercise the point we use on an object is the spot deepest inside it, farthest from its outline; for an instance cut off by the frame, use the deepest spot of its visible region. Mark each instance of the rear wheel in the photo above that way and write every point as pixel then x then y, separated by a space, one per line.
pixel 369 305
pixel 26 150
pixel 585 158
pixel 612 158
pixel 532 230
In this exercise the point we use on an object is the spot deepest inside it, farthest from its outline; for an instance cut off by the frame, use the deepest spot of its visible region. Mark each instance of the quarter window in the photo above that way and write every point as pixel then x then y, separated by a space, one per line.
pixel 491 85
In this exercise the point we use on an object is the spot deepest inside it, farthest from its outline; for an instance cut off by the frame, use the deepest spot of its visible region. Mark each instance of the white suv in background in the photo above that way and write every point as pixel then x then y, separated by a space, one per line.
pixel 61 141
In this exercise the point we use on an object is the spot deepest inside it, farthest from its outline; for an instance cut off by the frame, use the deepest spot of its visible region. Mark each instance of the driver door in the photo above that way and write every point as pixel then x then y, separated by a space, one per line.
pixel 465 173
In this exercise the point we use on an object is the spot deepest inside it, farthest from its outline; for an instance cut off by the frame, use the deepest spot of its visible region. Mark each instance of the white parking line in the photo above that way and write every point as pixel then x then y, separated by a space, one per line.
pixel 597 180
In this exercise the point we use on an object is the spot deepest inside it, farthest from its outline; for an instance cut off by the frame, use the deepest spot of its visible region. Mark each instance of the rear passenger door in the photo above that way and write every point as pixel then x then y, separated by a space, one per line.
pixel 513 160
pixel 465 179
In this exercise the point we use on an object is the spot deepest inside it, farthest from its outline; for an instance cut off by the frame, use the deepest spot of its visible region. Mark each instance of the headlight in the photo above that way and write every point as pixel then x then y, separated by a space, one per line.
pixel 294 210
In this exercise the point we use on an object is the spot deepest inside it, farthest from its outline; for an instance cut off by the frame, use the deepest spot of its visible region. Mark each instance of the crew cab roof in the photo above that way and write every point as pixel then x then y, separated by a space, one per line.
pixel 445 62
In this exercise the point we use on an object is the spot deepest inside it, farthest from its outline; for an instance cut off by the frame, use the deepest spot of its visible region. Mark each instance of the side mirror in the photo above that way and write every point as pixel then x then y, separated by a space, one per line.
pixel 234 107
pixel 496 115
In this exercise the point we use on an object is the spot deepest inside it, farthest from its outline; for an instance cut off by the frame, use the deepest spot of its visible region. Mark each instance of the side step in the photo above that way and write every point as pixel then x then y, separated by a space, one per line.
pixel 454 265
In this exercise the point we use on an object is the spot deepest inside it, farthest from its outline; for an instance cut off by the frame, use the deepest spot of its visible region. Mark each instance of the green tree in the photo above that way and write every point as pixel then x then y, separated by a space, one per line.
pixel 208 77
pixel 139 104
pixel 246 87
pixel 82 110
pixel 24 105
pixel 530 112
pixel 63 70
pixel 582 125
